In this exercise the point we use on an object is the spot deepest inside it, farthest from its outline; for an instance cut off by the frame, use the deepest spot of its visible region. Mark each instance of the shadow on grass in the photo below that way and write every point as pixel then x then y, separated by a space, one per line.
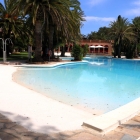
pixel 17 56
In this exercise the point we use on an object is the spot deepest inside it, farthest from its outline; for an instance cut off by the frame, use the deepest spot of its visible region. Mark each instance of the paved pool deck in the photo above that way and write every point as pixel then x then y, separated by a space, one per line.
pixel 12 131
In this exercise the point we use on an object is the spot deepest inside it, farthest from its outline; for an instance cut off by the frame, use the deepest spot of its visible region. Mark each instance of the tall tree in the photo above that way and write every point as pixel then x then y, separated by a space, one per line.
pixel 102 34
pixel 136 28
pixel 120 29
pixel 71 22
pixel 11 23
pixel 54 12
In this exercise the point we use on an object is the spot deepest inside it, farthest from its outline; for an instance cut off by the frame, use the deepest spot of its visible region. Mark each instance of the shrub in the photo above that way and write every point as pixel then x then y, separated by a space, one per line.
pixel 85 50
pixel 77 53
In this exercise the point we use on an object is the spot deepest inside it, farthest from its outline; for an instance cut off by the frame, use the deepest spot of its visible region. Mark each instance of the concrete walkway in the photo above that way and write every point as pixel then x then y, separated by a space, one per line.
pixel 11 131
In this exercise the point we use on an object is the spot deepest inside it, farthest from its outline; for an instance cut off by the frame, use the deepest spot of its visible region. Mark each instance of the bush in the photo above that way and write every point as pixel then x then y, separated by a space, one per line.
pixel 85 50
pixel 130 51
pixel 77 53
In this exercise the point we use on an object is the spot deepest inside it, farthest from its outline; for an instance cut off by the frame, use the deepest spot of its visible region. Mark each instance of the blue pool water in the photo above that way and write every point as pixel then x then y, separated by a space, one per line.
pixel 100 84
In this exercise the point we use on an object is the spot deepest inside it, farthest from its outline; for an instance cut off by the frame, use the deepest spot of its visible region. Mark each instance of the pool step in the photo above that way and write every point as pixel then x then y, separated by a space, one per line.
pixel 109 121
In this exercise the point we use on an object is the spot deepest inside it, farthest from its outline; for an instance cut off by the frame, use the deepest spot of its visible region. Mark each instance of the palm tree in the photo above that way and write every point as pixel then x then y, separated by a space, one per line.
pixel 71 23
pixel 57 14
pixel 78 18
pixel 136 26
pixel 120 29
pixel 12 24
pixel 54 12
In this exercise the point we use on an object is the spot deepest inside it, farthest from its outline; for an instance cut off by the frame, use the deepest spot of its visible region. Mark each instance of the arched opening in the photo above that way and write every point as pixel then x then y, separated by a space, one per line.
pixel 70 48
pixel 106 48
pixel 101 50
pixel 96 49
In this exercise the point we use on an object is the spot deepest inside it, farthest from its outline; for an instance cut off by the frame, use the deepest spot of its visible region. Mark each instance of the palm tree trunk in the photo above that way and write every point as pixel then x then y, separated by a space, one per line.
pixel 44 42
pixel 51 39
pixel 8 44
pixel 63 52
pixel 136 52
pixel 38 42
pixel 119 50
pixel 115 51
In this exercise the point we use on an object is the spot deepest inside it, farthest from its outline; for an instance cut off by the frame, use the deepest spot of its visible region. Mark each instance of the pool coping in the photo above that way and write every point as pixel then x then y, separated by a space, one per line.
pixel 111 120
pixel 108 121
pixel 51 65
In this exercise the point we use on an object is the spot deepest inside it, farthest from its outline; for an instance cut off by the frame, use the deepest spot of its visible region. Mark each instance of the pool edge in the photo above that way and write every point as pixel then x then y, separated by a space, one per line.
pixel 51 65
pixel 111 120
pixel 96 123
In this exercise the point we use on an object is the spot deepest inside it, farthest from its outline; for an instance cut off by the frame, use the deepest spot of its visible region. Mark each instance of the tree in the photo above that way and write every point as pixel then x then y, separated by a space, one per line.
pixel 136 26
pixel 55 13
pixel 78 18
pixel 120 29
pixel 71 31
pixel 36 9
pixel 11 22
pixel 103 33
pixel 92 36
pixel 85 50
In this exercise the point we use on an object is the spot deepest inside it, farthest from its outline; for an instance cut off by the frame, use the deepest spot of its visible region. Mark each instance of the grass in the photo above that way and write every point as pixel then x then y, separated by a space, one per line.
pixel 17 56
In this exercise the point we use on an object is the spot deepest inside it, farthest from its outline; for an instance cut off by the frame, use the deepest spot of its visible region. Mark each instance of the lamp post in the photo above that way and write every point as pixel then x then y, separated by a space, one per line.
pixel 29 51
pixel 4 51
pixel 4 48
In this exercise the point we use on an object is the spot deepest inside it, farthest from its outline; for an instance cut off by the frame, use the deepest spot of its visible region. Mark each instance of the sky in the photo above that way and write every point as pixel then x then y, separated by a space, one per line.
pixel 99 13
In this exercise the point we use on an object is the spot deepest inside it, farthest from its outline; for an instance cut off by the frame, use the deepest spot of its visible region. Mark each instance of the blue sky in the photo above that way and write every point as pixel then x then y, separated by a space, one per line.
pixel 100 13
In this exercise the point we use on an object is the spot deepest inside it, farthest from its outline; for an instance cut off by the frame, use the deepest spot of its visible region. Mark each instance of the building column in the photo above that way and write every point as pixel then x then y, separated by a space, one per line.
pixel 58 49
pixel 103 50
pixel 98 50
pixel 109 50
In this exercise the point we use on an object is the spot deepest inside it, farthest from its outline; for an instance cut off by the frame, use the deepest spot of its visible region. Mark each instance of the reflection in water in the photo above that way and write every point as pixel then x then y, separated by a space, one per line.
pixel 102 84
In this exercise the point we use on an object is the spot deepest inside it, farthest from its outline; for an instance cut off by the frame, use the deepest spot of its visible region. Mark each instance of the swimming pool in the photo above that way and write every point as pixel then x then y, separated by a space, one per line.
pixel 100 84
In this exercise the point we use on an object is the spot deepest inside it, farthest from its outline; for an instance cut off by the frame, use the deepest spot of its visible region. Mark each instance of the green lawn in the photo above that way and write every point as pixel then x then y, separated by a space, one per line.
pixel 17 56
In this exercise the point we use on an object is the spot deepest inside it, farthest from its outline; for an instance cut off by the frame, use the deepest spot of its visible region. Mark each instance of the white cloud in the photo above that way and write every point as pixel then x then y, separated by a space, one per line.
pixel 95 2
pixel 136 3
pixel 134 11
pixel 91 18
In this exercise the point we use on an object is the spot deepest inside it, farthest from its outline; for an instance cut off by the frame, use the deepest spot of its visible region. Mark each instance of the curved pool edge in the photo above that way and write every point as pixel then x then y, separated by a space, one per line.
pixel 111 120
pixel 52 65
pixel 14 100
